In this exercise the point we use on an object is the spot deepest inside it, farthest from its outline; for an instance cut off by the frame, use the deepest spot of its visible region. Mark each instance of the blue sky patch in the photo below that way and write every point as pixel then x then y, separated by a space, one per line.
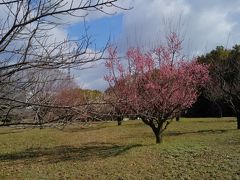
pixel 100 30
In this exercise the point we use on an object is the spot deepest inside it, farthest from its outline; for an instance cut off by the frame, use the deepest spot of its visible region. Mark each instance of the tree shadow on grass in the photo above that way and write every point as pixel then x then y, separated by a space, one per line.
pixel 13 131
pixel 86 127
pixel 209 131
pixel 68 153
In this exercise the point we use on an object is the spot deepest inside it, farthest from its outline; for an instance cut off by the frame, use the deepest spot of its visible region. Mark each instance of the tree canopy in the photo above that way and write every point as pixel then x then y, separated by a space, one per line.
pixel 155 85
pixel 224 70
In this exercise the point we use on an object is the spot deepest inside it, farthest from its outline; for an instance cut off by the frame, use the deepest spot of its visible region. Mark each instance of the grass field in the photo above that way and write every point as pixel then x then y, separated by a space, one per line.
pixel 192 149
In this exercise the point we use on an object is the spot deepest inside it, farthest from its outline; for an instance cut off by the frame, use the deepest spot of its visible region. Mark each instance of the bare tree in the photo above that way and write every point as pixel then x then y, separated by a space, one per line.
pixel 31 60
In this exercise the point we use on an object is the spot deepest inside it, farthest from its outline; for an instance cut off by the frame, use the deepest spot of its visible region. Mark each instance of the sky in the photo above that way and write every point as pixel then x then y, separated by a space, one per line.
pixel 204 24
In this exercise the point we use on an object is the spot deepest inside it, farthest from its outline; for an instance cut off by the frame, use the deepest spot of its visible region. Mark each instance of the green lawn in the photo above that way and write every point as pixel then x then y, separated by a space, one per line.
pixel 192 149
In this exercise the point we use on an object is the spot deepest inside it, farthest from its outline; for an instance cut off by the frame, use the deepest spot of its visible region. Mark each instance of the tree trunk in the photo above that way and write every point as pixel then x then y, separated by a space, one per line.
pixel 178 118
pixel 119 120
pixel 157 130
pixel 119 123
pixel 158 134
pixel 238 120
pixel 158 138
pixel 178 115
pixel 219 110
pixel 38 120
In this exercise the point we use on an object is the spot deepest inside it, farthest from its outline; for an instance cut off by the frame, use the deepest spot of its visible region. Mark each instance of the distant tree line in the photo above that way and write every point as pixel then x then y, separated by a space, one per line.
pixel 204 107
pixel 222 96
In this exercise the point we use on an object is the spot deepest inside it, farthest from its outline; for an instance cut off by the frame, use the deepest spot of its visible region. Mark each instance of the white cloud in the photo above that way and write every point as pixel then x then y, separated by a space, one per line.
pixel 206 24
pixel 92 78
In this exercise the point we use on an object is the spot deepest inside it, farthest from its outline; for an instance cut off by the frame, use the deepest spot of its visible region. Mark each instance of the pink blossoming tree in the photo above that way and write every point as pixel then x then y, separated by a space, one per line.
pixel 155 85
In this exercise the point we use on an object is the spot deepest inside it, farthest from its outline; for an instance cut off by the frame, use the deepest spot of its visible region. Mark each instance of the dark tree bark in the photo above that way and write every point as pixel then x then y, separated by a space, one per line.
pixel 157 127
pixel 158 136
pixel 119 120
pixel 178 118
pixel 157 132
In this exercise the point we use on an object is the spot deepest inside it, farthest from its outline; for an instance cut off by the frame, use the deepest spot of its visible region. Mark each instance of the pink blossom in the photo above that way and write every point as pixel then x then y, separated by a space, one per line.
pixel 148 87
